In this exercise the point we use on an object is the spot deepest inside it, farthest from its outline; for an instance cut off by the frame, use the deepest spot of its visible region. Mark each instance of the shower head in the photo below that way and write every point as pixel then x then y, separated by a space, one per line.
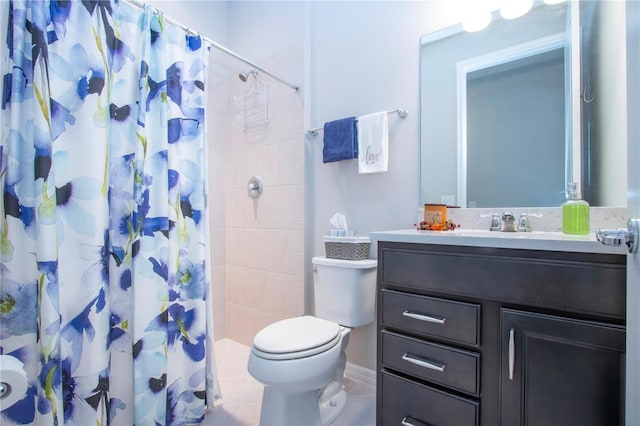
pixel 244 76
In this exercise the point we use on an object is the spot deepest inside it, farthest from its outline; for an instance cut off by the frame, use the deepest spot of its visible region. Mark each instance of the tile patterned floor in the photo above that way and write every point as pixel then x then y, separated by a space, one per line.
pixel 242 394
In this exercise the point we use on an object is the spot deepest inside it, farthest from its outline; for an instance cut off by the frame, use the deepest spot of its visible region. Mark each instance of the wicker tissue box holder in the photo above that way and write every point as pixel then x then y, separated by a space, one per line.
pixel 349 248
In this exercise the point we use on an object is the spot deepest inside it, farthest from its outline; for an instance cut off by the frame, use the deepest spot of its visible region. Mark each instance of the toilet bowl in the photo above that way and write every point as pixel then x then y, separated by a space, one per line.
pixel 292 378
pixel 301 360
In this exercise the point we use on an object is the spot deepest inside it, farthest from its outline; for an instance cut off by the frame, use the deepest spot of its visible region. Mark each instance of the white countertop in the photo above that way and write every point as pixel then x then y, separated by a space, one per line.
pixel 555 241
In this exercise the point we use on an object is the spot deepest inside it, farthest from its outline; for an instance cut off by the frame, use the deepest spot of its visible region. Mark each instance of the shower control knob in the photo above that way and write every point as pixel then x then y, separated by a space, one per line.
pixel 254 187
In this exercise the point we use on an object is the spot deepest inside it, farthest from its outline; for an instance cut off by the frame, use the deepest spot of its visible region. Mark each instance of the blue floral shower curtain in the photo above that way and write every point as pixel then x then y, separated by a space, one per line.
pixel 104 291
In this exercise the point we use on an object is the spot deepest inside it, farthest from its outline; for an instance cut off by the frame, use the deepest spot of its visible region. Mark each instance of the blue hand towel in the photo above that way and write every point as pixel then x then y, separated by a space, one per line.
pixel 340 140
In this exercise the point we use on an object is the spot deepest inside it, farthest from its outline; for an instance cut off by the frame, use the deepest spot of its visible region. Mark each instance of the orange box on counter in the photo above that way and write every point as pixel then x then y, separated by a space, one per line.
pixel 435 213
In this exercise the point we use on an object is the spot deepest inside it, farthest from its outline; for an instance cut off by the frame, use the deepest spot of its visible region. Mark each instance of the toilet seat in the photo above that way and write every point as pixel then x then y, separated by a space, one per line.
pixel 296 338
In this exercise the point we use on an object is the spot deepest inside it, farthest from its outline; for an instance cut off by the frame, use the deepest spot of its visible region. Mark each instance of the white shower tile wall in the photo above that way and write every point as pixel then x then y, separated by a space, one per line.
pixel 217 132
pixel 264 237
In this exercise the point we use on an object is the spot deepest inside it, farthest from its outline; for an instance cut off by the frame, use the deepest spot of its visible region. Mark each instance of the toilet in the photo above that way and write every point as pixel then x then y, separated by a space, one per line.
pixel 301 360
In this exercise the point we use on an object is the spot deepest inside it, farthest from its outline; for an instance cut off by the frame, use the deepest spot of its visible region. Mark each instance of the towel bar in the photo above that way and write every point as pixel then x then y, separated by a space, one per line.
pixel 402 113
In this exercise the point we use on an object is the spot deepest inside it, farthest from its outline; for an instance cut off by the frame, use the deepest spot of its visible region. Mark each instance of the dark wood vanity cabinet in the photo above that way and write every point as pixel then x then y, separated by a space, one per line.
pixel 494 336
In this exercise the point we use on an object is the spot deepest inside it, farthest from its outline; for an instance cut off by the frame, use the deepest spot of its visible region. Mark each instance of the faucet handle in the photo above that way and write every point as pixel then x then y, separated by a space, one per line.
pixel 495 222
pixel 524 225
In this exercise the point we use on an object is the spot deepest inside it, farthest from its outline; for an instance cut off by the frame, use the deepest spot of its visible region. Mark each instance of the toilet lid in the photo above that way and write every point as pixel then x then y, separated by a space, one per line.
pixel 295 335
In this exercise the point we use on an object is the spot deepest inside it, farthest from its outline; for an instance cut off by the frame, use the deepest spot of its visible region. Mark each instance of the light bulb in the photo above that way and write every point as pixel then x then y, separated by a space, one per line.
pixel 477 22
pixel 512 9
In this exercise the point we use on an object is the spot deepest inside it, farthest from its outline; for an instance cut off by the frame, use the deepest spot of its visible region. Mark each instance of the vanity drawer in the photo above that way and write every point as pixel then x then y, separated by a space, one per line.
pixel 564 281
pixel 430 316
pixel 404 400
pixel 454 368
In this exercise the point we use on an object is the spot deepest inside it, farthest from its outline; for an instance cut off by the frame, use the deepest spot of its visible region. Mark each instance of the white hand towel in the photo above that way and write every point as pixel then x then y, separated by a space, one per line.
pixel 373 143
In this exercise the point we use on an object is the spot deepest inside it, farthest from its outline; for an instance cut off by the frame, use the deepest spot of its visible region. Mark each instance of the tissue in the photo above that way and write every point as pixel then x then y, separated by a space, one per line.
pixel 339 226
pixel 13 381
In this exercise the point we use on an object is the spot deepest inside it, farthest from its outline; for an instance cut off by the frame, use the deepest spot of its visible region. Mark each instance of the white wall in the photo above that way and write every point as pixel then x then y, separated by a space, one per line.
pixel 257 29
pixel 365 58
pixel 209 18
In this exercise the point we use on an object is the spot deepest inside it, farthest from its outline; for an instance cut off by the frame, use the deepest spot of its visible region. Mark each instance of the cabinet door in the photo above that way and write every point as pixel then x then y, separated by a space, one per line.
pixel 559 371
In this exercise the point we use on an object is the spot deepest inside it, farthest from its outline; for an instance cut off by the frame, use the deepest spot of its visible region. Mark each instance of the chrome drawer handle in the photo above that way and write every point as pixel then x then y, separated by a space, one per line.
pixel 423 362
pixel 427 318
pixel 408 421
pixel 512 353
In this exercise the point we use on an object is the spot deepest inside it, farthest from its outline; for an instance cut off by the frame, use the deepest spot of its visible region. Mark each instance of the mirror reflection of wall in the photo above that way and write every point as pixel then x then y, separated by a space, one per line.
pixel 510 149
pixel 517 113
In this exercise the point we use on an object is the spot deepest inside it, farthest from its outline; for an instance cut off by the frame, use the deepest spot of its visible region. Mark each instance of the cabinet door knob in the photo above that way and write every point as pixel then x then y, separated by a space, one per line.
pixel 512 352
pixel 422 317
pixel 423 362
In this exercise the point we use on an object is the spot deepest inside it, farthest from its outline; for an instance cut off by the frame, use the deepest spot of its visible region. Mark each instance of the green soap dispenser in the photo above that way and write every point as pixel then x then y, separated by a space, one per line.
pixel 575 212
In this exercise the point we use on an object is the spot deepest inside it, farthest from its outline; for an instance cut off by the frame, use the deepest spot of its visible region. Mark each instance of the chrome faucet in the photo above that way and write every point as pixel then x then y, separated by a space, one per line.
pixel 508 222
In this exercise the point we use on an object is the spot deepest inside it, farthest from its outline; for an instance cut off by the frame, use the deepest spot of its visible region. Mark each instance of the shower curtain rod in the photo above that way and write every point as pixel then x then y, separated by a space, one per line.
pixel 218 46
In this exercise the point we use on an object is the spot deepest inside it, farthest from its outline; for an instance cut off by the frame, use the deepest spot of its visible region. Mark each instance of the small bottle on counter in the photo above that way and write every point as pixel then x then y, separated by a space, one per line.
pixel 575 212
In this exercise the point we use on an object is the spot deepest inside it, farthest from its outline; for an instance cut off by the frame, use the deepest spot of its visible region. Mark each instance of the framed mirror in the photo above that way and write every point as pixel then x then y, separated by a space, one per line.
pixel 512 113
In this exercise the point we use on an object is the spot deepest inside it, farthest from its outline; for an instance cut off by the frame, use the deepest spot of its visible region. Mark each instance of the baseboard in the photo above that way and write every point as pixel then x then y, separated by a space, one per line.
pixel 360 374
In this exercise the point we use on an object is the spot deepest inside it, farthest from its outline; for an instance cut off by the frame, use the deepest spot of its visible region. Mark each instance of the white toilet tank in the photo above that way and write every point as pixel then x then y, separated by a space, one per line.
pixel 344 290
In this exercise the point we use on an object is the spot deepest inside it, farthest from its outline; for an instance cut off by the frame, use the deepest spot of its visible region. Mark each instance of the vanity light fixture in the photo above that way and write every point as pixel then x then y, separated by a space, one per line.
pixel 512 9
pixel 479 14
